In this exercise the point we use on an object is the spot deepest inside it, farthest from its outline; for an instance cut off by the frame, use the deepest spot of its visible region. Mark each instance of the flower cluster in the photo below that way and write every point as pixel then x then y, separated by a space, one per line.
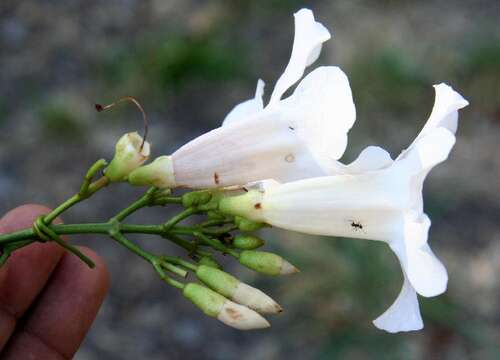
pixel 286 155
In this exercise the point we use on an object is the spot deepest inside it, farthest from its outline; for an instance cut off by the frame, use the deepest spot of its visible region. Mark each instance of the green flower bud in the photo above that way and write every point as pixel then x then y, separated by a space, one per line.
pixel 266 263
pixel 208 261
pixel 226 311
pixel 247 242
pixel 232 288
pixel 218 280
pixel 247 225
pixel 215 215
pixel 128 157
pixel 207 300
pixel 159 173
pixel 196 198
pixel 213 203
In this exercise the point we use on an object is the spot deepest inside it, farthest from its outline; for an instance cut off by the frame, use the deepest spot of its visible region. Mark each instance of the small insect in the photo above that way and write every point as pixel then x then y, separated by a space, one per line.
pixel 291 128
pixel 216 179
pixel 357 226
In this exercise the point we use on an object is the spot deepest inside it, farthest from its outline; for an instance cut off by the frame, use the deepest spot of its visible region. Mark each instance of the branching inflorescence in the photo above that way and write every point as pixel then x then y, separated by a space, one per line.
pixel 273 165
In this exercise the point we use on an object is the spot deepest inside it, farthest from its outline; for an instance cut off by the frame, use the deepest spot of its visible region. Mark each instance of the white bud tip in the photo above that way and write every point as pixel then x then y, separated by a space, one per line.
pixel 255 299
pixel 240 317
pixel 287 268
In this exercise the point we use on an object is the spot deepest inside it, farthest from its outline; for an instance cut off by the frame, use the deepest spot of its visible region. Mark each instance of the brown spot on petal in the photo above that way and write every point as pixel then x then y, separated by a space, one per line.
pixel 233 314
pixel 290 158
pixel 216 179
pixel 258 206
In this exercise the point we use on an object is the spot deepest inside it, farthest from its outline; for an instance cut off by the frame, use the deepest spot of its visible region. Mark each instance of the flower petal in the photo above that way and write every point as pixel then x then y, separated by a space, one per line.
pixel 247 108
pixel 260 147
pixel 425 272
pixel 321 111
pixel 445 111
pixel 372 158
pixel 309 35
pixel 403 314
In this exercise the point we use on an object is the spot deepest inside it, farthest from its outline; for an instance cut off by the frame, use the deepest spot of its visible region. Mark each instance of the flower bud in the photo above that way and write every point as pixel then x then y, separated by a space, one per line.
pixel 232 288
pixel 128 156
pixel 215 215
pixel 208 261
pixel 247 242
pixel 226 311
pixel 195 198
pixel 266 263
pixel 247 225
pixel 159 173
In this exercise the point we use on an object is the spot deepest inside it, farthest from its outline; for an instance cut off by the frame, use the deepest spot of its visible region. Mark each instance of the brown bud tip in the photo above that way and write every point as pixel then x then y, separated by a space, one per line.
pixel 99 107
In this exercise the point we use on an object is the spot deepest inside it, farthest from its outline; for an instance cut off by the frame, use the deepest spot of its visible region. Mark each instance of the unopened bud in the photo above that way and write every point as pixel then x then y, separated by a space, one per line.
pixel 196 198
pixel 247 225
pixel 215 215
pixel 208 261
pixel 266 263
pixel 130 153
pixel 217 280
pixel 159 173
pixel 207 300
pixel 232 288
pixel 228 312
pixel 247 242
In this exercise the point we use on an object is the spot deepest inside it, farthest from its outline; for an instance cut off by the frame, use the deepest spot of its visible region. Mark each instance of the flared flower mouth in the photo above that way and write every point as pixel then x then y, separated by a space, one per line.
pixel 376 198
pixel 321 110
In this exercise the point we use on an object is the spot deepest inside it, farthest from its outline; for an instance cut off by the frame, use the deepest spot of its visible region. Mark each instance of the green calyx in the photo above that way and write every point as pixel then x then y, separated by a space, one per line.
pixel 247 205
pixel 205 299
pixel 159 173
pixel 196 198
pixel 218 280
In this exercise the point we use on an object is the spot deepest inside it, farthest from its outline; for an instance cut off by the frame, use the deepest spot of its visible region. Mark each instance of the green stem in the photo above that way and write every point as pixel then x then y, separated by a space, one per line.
pixel 75 199
pixel 144 200
pixel 154 260
pixel 122 240
pixel 216 244
pixel 179 261
pixel 178 218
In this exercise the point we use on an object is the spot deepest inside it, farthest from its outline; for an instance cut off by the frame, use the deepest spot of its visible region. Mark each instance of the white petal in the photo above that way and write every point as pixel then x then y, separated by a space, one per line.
pixel 309 35
pixel 261 147
pixel 403 314
pixel 445 111
pixel 357 206
pixel 321 111
pixel 372 158
pixel 425 272
pixel 247 108
pixel 262 185
pixel 255 299
pixel 240 317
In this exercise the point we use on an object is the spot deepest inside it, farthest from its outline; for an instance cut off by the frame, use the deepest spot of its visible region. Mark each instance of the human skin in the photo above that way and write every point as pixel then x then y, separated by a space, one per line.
pixel 48 298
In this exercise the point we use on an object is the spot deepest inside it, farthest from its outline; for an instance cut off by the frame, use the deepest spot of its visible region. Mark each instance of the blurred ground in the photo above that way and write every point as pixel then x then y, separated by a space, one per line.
pixel 189 62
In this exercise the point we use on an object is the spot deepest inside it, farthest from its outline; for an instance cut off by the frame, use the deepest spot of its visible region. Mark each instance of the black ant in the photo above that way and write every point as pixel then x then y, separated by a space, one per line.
pixel 356 225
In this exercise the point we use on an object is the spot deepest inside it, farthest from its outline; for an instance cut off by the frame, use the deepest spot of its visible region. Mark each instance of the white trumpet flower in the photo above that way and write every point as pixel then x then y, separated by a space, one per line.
pixel 377 199
pixel 297 137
